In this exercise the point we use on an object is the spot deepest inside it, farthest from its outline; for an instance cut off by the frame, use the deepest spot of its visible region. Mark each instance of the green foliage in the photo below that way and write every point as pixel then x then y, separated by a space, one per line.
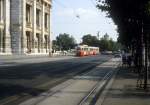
pixel 105 43
pixel 90 40
pixel 65 41
pixel 128 15
pixel 55 46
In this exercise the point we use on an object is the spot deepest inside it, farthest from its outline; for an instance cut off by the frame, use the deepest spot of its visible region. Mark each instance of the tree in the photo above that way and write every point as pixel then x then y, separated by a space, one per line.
pixel 133 20
pixel 105 43
pixel 55 46
pixel 65 41
pixel 90 40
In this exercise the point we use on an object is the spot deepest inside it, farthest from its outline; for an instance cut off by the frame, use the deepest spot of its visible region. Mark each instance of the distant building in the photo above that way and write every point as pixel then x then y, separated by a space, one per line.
pixel 25 26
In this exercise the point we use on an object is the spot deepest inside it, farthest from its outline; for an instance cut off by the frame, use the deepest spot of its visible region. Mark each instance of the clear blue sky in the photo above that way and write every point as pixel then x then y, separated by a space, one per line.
pixel 78 18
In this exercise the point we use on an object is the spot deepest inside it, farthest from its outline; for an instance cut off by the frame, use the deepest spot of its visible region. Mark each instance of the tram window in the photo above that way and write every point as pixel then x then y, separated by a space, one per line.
pixel 78 48
pixel 86 49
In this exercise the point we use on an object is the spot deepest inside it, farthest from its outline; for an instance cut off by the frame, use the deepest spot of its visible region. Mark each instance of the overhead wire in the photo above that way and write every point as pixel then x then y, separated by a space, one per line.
pixel 93 3
pixel 74 11
pixel 64 6
pixel 60 4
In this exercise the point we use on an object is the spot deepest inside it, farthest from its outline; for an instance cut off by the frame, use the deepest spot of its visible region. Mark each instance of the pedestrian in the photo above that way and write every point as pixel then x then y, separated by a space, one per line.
pixel 129 60
pixel 124 59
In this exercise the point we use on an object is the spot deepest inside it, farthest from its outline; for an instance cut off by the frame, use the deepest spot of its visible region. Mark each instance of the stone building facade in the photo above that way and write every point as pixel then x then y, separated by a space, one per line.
pixel 5 38
pixel 28 27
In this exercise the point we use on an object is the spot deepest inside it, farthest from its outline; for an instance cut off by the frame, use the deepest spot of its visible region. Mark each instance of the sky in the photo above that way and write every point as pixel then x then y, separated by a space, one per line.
pixel 78 18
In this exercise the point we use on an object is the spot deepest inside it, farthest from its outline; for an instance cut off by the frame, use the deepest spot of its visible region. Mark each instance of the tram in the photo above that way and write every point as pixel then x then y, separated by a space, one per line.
pixel 85 50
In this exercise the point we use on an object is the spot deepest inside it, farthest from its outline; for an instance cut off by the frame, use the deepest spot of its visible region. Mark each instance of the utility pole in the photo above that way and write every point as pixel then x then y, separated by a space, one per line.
pixel 146 64
pixel 98 35
pixel 146 58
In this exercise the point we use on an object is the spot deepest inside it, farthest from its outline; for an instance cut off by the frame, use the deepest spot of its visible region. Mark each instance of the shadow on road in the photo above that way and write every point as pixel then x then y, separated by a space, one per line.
pixel 10 90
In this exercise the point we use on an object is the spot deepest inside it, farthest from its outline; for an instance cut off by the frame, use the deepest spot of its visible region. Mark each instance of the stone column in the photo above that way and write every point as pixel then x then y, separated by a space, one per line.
pixel 7 40
pixel 1 11
pixel 34 26
pixel 1 26
pixel 50 41
pixel 23 36
pixel 43 27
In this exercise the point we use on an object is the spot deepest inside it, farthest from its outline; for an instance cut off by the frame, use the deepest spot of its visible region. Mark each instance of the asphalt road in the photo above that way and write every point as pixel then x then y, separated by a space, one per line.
pixel 23 81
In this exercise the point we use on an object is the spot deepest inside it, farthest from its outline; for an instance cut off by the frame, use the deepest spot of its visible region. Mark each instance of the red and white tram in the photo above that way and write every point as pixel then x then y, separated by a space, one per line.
pixel 85 50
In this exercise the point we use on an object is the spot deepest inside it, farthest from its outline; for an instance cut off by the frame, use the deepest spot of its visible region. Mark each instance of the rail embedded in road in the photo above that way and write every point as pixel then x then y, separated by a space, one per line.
pixel 46 72
pixel 100 85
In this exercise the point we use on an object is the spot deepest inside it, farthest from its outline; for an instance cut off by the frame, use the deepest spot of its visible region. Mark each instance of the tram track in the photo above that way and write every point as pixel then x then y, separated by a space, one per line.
pixel 84 70
pixel 92 93
pixel 71 71
pixel 97 90
pixel 100 84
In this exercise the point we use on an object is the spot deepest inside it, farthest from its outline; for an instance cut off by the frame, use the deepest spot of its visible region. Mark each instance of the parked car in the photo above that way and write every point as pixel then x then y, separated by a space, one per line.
pixel 117 55
pixel 107 52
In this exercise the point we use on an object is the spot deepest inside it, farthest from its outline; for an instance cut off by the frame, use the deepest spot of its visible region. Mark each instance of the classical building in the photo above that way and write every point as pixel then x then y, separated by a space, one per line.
pixel 29 27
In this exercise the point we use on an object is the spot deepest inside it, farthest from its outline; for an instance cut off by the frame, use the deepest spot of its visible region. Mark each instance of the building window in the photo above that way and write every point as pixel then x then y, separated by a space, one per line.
pixel 28 14
pixel 38 42
pixel 46 43
pixel 38 18
pixel 2 40
pixel 46 21
pixel 1 10
pixel 29 41
pixel 39 1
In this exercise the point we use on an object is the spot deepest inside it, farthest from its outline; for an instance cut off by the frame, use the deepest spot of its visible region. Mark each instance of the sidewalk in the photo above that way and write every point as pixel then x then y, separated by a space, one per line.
pixel 123 90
